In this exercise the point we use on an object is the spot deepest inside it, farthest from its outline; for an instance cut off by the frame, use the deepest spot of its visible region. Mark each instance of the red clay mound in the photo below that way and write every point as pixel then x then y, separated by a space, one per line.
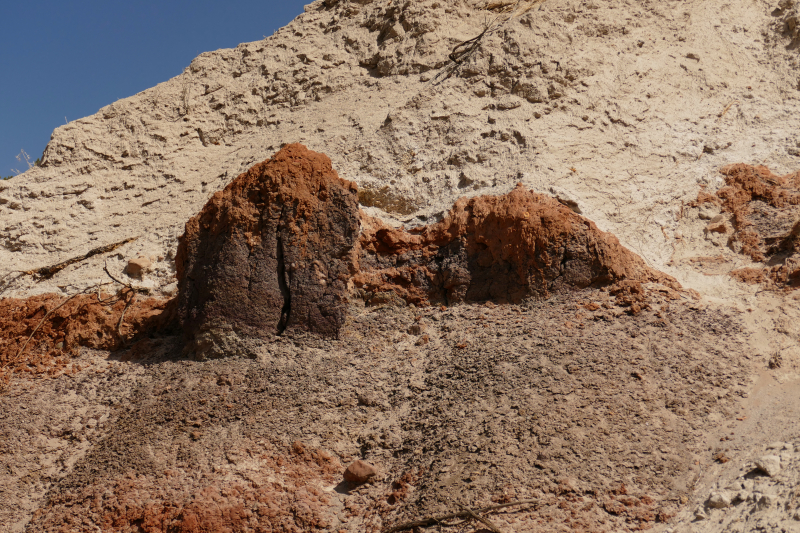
pixel 501 248
pixel 279 248
pixel 766 218
pixel 82 321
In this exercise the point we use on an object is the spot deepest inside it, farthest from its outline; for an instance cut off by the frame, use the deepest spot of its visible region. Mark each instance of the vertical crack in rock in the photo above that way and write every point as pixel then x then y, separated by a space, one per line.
pixel 284 287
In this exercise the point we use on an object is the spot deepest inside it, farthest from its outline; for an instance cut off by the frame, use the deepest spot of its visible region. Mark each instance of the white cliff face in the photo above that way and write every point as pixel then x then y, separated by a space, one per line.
pixel 622 108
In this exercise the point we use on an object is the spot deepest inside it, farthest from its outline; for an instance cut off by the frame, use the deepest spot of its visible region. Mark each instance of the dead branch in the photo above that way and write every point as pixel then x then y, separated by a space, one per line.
pixel 122 317
pixel 463 49
pixel 60 266
pixel 483 520
pixel 433 520
pixel 727 107
pixel 50 271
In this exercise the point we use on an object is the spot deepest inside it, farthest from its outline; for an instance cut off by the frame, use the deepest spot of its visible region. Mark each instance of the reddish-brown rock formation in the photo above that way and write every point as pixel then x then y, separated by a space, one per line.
pixel 82 321
pixel 765 211
pixel 269 252
pixel 502 248
pixel 279 247
pixel 282 246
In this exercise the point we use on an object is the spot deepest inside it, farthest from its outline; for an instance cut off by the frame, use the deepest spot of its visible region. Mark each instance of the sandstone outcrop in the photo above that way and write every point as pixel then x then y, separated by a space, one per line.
pixel 282 247
pixel 370 83
pixel 285 247
pixel 609 420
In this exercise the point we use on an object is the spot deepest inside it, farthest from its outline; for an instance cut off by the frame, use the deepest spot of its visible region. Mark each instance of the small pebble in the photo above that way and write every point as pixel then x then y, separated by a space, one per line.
pixel 767 500
pixel 719 500
pixel 359 472
pixel 769 464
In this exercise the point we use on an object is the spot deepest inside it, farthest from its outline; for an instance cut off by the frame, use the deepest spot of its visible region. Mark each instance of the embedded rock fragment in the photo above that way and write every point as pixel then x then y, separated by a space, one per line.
pixel 359 472
pixel 765 211
pixel 769 464
pixel 719 500
pixel 138 266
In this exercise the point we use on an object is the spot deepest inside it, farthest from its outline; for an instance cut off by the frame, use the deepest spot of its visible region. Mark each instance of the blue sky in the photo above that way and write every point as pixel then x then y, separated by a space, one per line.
pixel 68 59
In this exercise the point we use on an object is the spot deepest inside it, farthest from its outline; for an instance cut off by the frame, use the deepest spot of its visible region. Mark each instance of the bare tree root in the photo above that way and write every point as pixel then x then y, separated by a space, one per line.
pixel 464 515
pixel 49 271
pixel 122 317
pixel 119 295
pixel 132 291
pixel 482 519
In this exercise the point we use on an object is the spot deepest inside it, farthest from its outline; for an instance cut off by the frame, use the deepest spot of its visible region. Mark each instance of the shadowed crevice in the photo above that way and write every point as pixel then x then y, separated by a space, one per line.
pixel 284 288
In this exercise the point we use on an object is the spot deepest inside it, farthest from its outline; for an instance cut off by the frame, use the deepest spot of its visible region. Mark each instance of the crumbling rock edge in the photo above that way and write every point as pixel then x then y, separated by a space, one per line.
pixel 60 328
pixel 764 211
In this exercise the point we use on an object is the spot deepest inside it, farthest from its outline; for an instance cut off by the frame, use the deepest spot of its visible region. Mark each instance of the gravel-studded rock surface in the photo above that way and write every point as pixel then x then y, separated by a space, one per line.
pixel 593 413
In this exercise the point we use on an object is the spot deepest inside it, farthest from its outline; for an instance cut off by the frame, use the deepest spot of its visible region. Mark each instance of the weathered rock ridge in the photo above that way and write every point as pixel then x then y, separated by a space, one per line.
pixel 283 247
pixel 502 248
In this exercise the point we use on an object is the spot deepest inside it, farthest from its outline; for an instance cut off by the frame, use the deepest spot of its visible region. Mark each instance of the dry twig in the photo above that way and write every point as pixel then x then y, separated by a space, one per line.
pixel 727 107
pixel 122 317
pixel 110 275
pixel 433 520
pixel 133 290
pixel 483 520
pixel 463 49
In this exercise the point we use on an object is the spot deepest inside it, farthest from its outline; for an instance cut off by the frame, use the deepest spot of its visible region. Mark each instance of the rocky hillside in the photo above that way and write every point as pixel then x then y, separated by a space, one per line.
pixel 539 259
pixel 622 109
